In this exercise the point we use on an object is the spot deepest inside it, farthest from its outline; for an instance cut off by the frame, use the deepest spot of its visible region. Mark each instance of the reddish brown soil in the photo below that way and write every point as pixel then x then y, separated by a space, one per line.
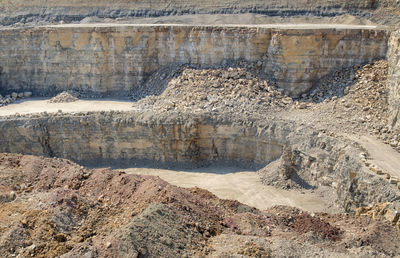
pixel 53 207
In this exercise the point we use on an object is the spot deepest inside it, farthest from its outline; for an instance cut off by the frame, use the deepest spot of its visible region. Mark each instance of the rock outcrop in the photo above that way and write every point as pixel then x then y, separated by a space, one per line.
pixel 394 79
pixel 114 60
pixel 95 138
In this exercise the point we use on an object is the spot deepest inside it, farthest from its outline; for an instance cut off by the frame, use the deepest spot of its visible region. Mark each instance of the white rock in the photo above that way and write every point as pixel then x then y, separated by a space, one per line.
pixel 27 94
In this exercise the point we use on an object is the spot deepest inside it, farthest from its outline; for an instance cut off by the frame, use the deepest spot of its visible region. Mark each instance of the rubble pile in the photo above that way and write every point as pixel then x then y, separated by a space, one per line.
pixel 8 99
pixel 65 97
pixel 354 101
pixel 217 90
pixel 382 211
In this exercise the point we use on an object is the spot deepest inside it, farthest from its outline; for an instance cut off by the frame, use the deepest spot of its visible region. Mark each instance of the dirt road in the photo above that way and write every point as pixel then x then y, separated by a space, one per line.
pixel 381 154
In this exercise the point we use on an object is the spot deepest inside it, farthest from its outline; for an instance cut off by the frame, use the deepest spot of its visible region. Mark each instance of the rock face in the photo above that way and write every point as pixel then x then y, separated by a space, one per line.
pixel 394 78
pixel 115 60
pixel 97 138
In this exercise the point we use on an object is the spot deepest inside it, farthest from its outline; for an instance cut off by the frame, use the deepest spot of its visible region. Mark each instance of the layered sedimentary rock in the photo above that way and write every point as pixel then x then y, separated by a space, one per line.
pixel 115 60
pixel 95 138
pixel 56 10
pixel 394 78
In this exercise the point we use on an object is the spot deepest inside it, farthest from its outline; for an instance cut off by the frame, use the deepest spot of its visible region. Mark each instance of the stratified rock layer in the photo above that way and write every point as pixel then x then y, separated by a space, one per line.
pixel 130 137
pixel 114 60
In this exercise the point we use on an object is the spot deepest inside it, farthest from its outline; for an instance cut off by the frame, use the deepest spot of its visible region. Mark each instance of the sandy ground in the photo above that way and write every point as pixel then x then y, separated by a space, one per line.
pixel 244 186
pixel 37 105
pixel 221 19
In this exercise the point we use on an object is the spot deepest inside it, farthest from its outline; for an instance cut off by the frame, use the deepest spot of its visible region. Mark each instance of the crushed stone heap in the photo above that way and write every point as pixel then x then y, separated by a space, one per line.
pixel 65 97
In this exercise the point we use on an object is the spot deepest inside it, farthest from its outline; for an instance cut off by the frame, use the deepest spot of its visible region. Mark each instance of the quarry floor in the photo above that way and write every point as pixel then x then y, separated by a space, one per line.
pixel 243 186
pixel 38 105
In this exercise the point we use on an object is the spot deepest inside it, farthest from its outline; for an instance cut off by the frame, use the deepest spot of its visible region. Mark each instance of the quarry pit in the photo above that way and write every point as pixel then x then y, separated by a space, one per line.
pixel 302 115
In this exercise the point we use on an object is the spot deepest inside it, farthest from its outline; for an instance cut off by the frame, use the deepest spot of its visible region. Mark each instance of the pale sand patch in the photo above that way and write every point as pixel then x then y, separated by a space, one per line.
pixel 38 105
pixel 244 187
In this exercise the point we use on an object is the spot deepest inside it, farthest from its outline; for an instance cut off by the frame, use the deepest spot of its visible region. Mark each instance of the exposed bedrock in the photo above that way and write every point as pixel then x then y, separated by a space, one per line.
pixel 130 138
pixel 114 60
pixel 113 137
pixel 56 10
pixel 394 78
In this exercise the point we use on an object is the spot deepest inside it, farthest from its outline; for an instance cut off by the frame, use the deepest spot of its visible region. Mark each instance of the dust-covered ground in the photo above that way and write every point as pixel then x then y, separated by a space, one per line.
pixel 53 207
pixel 244 186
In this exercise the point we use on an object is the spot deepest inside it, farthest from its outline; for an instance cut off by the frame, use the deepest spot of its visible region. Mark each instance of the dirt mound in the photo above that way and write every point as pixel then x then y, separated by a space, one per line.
pixel 65 97
pixel 61 208
pixel 305 223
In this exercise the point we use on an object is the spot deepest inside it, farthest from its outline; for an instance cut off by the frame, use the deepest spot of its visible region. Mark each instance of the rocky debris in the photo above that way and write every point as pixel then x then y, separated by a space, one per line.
pixel 351 101
pixel 382 211
pixel 360 90
pixel 229 89
pixel 8 99
pixel 288 171
pixel 252 249
pixel 381 172
pixel 7 196
pixel 296 169
pixel 65 209
pixel 304 223
pixel 65 97
pixel 157 82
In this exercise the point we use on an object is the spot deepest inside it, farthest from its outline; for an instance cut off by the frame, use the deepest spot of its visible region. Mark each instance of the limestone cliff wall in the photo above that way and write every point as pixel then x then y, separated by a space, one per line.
pixel 394 79
pixel 105 139
pixel 115 60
